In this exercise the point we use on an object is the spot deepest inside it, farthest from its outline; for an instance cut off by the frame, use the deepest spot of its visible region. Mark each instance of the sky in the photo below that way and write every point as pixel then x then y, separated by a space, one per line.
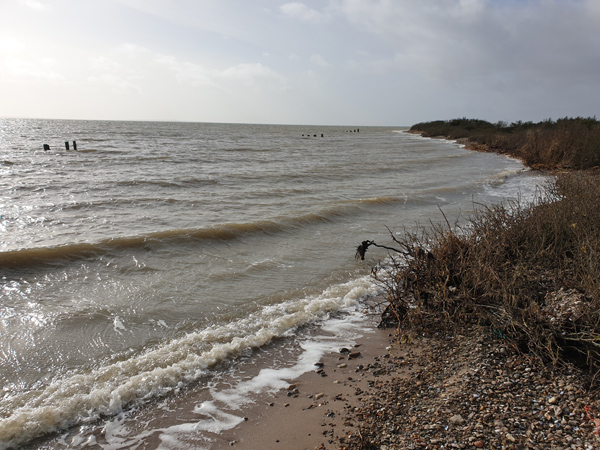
pixel 325 62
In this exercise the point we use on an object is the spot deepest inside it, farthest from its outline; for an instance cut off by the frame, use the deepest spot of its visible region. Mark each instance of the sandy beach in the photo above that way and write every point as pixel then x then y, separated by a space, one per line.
pixel 471 390
pixel 311 412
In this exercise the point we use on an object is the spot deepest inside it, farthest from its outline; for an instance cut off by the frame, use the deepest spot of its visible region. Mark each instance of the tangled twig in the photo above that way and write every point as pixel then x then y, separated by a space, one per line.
pixel 364 245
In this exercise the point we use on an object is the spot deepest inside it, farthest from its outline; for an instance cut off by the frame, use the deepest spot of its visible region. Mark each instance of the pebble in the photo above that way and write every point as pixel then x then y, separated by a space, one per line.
pixel 457 419
pixel 466 392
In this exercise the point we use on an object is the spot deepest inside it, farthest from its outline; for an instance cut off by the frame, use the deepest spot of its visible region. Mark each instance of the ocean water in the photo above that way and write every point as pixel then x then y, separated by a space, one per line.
pixel 158 258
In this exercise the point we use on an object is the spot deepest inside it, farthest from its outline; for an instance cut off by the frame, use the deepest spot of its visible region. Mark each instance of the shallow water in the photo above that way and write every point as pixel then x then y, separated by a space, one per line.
pixel 141 263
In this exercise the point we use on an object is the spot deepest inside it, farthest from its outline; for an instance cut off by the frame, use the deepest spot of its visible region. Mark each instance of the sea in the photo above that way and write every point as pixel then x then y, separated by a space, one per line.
pixel 156 278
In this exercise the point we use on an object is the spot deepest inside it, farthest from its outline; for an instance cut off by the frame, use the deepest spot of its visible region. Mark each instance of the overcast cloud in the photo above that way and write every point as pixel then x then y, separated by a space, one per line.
pixel 363 62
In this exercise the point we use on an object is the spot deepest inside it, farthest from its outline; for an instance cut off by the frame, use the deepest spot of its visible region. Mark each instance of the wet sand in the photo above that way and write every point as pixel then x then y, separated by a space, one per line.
pixel 463 390
pixel 311 411
pixel 444 391
pixel 289 394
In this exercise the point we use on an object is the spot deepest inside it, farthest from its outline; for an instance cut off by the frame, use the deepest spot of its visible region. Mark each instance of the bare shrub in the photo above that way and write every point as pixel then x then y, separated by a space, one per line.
pixel 573 144
pixel 569 143
pixel 529 272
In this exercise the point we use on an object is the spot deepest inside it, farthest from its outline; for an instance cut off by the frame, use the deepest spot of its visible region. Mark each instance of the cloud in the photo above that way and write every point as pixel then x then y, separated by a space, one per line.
pixel 9 44
pixel 187 72
pixel 302 12
pixel 123 72
pixel 33 4
pixel 226 18
pixel 592 7
pixel 407 60
pixel 117 83
pixel 134 68
pixel 458 41
pixel 197 75
pixel 253 74
pixel 42 69
pixel 469 10
pixel 132 49
pixel 319 60
pixel 104 64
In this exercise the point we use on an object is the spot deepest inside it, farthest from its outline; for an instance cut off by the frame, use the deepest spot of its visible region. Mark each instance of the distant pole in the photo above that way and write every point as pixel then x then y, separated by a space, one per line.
pixel 74 145
pixel 46 147
pixel 67 145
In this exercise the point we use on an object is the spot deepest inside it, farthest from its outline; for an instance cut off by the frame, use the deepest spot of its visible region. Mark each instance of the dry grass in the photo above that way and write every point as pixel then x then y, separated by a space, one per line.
pixel 529 272
pixel 569 143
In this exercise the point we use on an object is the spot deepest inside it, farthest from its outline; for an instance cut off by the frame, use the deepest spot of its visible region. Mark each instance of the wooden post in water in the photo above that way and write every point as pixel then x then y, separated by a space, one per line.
pixel 74 145
pixel 67 145
pixel 46 147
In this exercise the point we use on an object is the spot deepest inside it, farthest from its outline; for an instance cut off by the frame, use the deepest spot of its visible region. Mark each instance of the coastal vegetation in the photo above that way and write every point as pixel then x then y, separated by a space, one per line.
pixel 528 272
pixel 568 143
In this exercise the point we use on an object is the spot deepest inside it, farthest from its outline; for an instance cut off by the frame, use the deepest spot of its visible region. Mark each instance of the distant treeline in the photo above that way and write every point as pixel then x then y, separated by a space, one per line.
pixel 569 143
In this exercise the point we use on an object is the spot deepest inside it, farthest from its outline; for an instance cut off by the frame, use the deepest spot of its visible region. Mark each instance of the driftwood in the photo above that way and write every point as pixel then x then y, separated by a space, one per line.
pixel 364 245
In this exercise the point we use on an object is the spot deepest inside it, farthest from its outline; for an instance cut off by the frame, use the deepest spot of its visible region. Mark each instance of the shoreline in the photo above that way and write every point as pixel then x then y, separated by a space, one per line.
pixel 311 411
pixel 470 390
pixel 394 383
pixel 250 404
pixel 467 389
pixel 468 144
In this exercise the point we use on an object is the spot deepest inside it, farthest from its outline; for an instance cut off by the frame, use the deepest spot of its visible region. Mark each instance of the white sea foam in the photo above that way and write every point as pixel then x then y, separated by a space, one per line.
pixel 109 389
pixel 118 325
pixel 223 411
pixel 502 176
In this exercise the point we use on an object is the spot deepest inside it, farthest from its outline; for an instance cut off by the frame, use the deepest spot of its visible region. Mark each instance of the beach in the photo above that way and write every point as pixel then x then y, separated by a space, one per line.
pixel 441 391
pixel 194 265
pixel 310 412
